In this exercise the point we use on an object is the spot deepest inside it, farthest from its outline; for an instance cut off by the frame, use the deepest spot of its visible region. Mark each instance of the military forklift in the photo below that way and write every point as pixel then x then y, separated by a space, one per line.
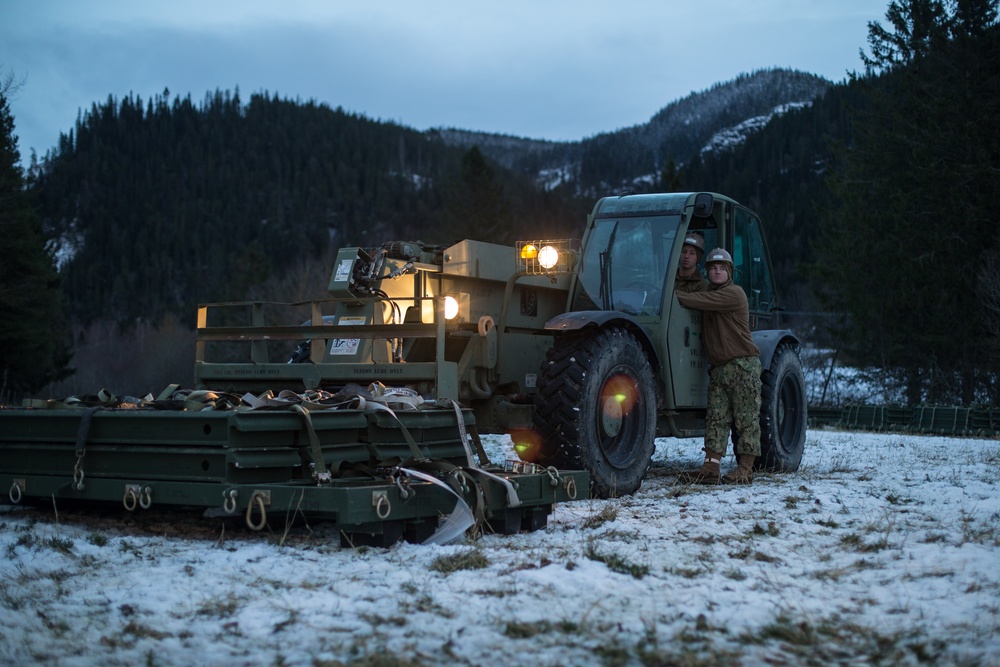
pixel 576 348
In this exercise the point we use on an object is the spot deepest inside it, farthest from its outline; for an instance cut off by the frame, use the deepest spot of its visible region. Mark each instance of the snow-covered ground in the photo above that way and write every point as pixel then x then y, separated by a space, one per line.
pixel 881 549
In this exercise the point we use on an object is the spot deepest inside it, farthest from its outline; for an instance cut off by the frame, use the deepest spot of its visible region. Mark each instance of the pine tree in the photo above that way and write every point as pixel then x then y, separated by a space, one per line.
pixel 478 207
pixel 33 349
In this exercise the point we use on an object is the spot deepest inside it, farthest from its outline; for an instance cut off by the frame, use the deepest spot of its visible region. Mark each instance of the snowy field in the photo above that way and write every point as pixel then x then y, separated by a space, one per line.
pixel 881 549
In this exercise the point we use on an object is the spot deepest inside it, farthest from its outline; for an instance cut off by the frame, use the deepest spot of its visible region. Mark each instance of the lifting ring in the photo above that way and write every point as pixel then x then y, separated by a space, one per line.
pixel 383 507
pixel 15 493
pixel 570 486
pixel 131 499
pixel 258 500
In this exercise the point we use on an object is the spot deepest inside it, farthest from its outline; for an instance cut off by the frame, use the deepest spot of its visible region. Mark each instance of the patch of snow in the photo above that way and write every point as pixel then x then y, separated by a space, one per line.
pixel 830 384
pixel 64 247
pixel 881 549
pixel 646 179
pixel 550 179
pixel 731 137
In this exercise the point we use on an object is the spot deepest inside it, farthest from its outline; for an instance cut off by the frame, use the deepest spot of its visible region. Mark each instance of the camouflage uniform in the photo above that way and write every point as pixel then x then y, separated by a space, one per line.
pixel 734 400
pixel 734 378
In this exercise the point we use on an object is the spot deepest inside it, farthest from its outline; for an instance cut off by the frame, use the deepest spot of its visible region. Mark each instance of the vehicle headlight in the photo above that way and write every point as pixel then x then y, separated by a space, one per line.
pixel 548 257
pixel 450 307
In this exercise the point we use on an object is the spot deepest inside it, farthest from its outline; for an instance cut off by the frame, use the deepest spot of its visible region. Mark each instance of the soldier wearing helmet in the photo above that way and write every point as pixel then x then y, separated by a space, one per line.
pixel 688 278
pixel 734 375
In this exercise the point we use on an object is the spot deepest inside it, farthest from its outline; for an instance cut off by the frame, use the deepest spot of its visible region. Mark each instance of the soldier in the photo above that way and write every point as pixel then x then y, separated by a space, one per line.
pixel 734 374
pixel 688 278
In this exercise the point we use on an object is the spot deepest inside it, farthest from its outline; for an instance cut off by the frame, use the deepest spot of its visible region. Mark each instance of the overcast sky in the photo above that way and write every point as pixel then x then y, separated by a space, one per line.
pixel 560 70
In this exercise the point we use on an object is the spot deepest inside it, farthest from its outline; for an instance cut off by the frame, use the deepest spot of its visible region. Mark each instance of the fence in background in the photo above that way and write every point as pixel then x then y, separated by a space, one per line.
pixel 921 419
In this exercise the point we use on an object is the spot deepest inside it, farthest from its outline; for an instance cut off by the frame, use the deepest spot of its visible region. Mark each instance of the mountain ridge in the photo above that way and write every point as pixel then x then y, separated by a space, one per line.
pixel 680 131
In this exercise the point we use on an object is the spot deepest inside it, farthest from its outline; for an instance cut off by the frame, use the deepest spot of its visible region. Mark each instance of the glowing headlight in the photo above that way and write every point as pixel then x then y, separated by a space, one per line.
pixel 450 307
pixel 544 257
pixel 548 257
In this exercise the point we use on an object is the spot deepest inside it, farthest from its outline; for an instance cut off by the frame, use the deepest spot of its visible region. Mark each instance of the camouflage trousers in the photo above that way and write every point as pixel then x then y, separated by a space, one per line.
pixel 734 402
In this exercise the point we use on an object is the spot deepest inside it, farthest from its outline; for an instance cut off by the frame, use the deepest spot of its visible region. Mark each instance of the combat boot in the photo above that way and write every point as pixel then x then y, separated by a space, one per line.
pixel 743 472
pixel 708 473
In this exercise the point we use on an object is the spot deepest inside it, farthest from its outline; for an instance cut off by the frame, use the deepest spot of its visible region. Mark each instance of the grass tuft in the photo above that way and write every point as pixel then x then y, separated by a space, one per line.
pixel 607 514
pixel 222 608
pixel 616 563
pixel 771 530
pixel 526 630
pixel 61 544
pixel 470 559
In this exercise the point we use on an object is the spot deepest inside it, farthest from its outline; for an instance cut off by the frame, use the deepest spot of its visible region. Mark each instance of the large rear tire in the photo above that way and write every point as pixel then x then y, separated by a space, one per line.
pixel 595 410
pixel 783 415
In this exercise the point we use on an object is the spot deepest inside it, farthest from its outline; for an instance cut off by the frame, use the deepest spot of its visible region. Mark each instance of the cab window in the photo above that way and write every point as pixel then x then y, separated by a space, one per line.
pixel 751 264
pixel 624 264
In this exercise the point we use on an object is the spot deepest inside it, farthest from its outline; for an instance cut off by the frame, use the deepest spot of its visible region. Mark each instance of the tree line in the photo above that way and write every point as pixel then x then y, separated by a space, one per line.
pixel 909 243
pixel 164 204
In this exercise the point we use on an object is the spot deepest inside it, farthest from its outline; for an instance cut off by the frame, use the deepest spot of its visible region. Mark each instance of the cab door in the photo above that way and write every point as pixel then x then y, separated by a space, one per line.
pixel 688 372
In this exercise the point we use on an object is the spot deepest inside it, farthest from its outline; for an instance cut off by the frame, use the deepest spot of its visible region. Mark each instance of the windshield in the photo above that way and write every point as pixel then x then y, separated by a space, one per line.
pixel 625 263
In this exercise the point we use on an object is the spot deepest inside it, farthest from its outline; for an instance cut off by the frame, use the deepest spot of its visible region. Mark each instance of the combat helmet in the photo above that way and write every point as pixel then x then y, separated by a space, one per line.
pixel 720 256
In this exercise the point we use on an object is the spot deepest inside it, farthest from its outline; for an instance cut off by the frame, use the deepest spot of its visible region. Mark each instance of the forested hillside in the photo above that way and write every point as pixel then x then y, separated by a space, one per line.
pixel 679 132
pixel 159 205
pixel 780 171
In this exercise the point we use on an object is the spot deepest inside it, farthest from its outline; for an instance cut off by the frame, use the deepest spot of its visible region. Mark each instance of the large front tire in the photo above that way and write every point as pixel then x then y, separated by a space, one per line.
pixel 596 410
pixel 783 415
